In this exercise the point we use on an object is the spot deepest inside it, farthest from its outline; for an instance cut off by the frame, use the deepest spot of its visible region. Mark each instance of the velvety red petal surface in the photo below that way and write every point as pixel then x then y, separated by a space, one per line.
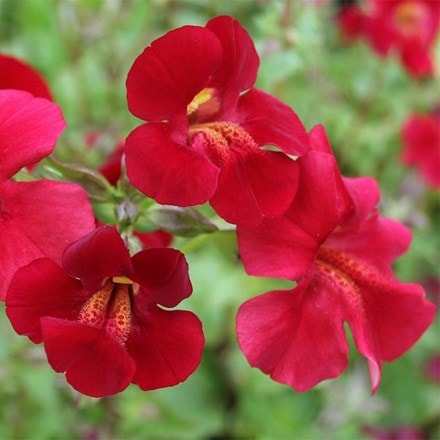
pixel 271 122
pixel 288 335
pixel 368 235
pixel 111 169
pixel 171 71
pixel 94 363
pixel 29 129
pixel 165 358
pixel 378 241
pixel 319 140
pixel 421 137
pixel 39 219
pixel 96 256
pixel 155 239
pixel 162 275
pixel 286 246
pixel 16 74
pixel 365 195
pixel 254 186
pixel 42 288
pixel 167 171
pixel 238 69
pixel 386 319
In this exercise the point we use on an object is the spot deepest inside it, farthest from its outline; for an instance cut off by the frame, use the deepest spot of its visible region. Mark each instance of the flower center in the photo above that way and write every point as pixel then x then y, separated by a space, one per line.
pixel 411 18
pixel 348 273
pixel 110 308
pixel 221 139
pixel 204 105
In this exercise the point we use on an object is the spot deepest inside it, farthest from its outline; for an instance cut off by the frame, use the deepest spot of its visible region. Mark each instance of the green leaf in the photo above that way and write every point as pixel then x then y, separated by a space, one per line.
pixel 185 222
pixel 95 184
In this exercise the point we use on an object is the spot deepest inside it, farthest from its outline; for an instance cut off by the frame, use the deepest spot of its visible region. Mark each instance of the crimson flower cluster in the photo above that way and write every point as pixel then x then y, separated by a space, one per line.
pixel 406 27
pixel 102 309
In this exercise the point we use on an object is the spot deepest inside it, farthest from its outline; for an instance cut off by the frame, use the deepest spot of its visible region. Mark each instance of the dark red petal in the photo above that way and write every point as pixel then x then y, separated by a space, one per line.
pixel 167 347
pixel 292 336
pixel 96 256
pixel 319 141
pixel 95 364
pixel 389 320
pixel 352 22
pixel 416 59
pixel 276 248
pixel 170 72
pixel 286 247
pixel 322 201
pixel 16 74
pixel 238 69
pixel 378 241
pixel 366 234
pixel 39 219
pixel 162 275
pixel 421 137
pixel 29 129
pixel 155 239
pixel 39 289
pixel 258 185
pixel 111 169
pixel 166 171
pixel 271 122
pixel 398 314
pixel 365 195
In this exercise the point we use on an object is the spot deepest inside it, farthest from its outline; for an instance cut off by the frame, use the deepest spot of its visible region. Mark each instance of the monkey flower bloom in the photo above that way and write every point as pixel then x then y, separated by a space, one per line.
pixel 37 218
pixel 334 243
pixel 206 124
pixel 407 26
pixel 16 74
pixel 421 137
pixel 104 318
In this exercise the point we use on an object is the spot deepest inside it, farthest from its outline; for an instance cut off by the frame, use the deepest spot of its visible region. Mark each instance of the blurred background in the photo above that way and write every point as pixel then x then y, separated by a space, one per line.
pixel 84 49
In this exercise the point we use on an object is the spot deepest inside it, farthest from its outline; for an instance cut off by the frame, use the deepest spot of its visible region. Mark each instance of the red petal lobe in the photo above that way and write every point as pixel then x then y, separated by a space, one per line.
pixel 95 364
pixel 165 358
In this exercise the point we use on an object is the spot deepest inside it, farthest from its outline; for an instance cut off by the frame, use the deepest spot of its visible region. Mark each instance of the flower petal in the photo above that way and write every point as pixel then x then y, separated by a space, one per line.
pixel 291 336
pixel 165 358
pixel 276 248
pixel 162 275
pixel 166 171
pixel 96 256
pixel 396 315
pixel 29 129
pixel 39 219
pixel 95 364
pixel 286 246
pixel 258 185
pixel 271 122
pixel 238 69
pixel 170 72
pixel 16 74
pixel 42 288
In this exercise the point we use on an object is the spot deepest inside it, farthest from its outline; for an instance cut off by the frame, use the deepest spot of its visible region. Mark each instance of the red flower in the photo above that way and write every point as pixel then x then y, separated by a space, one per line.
pixel 334 243
pixel 101 315
pixel 207 124
pixel 37 218
pixel 421 137
pixel 407 26
pixel 16 74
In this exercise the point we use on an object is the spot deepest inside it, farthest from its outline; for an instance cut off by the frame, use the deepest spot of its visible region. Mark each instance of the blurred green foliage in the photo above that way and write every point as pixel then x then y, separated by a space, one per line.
pixel 84 48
